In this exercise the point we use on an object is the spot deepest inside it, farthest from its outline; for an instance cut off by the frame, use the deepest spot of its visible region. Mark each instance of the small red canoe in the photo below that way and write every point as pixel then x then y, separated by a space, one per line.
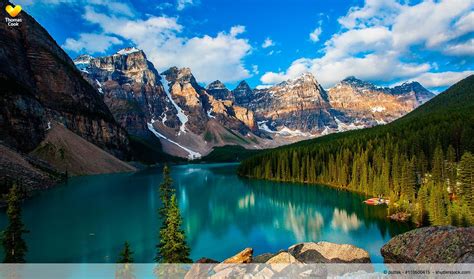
pixel 376 201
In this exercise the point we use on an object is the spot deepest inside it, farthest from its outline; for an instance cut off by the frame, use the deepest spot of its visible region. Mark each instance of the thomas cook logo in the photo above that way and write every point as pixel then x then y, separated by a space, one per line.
pixel 13 11
pixel 12 21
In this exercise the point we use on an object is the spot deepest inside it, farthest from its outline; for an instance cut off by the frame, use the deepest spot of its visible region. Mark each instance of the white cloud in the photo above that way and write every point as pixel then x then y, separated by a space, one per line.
pixel 255 69
pixel 314 36
pixel 373 13
pixel 237 30
pixel 209 57
pixel 183 4
pixel 91 43
pixel 375 42
pixel 268 43
pixel 442 79
pixel 431 23
pixel 465 48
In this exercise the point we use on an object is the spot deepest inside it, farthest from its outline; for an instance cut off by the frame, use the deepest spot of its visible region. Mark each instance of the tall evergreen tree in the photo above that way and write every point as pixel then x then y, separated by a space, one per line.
pixel 125 270
pixel 166 191
pixel 13 244
pixel 126 255
pixel 173 246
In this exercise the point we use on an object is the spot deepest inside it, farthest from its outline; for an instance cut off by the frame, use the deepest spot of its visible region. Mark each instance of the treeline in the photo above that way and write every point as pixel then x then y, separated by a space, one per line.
pixel 422 162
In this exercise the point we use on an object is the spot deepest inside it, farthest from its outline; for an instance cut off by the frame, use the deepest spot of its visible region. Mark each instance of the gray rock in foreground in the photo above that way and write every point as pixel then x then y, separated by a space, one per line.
pixel 327 252
pixel 431 245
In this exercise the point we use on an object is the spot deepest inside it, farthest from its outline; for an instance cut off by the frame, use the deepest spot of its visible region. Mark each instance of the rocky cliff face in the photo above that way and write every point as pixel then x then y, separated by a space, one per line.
pixel 367 105
pixel 130 87
pixel 39 84
pixel 297 107
pixel 205 118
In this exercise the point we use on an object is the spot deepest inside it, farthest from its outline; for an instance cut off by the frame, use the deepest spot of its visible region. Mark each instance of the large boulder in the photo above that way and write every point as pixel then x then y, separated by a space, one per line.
pixel 326 252
pixel 245 256
pixel 431 245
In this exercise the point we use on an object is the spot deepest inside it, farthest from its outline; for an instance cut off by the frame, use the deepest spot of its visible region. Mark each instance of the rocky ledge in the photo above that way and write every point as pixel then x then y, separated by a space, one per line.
pixel 431 245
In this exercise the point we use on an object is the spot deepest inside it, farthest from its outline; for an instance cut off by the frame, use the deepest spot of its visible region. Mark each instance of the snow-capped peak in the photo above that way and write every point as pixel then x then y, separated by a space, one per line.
pixel 83 59
pixel 128 50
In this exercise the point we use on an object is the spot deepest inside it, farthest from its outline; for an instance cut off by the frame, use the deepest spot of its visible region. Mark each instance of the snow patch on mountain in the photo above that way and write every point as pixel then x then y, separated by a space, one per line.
pixel 209 113
pixel 341 126
pixel 183 118
pixel 378 109
pixel 192 154
pixel 128 50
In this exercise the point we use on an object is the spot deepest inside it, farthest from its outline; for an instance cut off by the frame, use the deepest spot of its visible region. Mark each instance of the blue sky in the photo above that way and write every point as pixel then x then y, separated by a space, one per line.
pixel 265 42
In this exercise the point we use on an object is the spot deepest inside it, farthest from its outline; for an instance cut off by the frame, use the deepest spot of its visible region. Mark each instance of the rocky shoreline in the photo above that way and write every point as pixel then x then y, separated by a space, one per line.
pixel 443 244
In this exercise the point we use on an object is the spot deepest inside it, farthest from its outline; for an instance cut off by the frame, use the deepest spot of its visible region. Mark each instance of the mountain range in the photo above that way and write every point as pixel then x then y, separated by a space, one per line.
pixel 191 120
pixel 58 115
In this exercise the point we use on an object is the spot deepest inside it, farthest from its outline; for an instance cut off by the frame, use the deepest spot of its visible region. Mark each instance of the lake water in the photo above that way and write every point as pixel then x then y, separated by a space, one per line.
pixel 89 218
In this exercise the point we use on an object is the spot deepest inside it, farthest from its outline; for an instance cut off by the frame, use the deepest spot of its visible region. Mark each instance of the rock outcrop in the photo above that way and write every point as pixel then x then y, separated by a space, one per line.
pixel 326 252
pixel 431 245
pixel 244 256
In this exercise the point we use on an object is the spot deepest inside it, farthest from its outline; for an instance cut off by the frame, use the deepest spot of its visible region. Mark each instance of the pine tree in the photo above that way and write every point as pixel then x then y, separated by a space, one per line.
pixel 166 191
pixel 438 165
pixel 126 254
pixel 12 240
pixel 125 270
pixel 466 180
pixel 173 247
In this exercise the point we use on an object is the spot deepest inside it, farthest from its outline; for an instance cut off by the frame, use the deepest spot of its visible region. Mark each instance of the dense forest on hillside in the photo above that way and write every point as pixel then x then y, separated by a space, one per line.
pixel 423 162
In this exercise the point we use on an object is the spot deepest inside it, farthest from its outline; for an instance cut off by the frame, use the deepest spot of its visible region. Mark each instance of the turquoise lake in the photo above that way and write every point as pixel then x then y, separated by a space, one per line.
pixel 87 219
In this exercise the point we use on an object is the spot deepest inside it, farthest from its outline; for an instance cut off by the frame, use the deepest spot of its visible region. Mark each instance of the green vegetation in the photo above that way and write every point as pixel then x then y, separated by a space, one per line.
pixel 12 240
pixel 125 270
pixel 423 162
pixel 172 247
pixel 126 255
pixel 228 153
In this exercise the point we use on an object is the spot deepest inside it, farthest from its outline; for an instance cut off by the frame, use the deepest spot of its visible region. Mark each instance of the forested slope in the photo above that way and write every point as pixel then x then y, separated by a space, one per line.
pixel 423 162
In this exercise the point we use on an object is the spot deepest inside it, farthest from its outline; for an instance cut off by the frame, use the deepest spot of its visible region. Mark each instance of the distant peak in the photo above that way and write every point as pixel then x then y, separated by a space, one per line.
pixel 243 85
pixel 182 75
pixel 83 59
pixel 351 79
pixel 304 77
pixel 216 85
pixel 128 50
pixel 355 82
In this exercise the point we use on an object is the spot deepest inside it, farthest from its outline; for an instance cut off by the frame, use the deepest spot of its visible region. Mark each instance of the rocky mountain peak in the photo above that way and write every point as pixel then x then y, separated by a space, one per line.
pixel 83 59
pixel 422 94
pixel 243 86
pixel 216 85
pixel 182 76
pixel 219 91
pixel 357 83
pixel 305 78
pixel 242 93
